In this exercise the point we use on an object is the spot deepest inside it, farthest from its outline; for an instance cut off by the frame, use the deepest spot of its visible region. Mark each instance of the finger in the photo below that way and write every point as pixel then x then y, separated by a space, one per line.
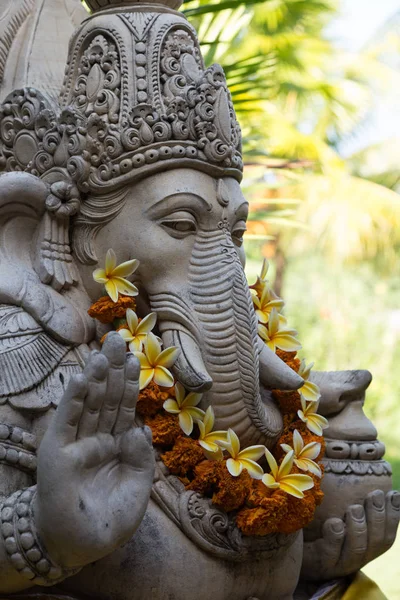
pixel 137 450
pixel 376 517
pixel 356 543
pixel 69 411
pixel 126 412
pixel 333 532
pixel 96 371
pixel 392 517
pixel 114 349
pixel 84 353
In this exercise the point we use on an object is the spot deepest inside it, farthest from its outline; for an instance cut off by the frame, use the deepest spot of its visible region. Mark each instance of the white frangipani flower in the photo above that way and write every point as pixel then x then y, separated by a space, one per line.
pixel 304 455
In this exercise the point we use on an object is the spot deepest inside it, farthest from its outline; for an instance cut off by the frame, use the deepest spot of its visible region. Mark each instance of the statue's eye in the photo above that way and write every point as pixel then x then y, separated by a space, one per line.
pixel 180 226
pixel 184 226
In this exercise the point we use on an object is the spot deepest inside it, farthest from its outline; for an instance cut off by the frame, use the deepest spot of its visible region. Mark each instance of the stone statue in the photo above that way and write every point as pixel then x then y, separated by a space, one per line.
pixel 142 154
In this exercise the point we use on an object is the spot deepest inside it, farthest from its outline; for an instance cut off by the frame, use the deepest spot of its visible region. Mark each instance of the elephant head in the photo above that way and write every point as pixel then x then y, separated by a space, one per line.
pixel 143 152
pixel 186 228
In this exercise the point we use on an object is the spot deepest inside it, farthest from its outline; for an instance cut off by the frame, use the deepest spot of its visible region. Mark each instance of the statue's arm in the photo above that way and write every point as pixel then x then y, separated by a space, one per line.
pixel 94 476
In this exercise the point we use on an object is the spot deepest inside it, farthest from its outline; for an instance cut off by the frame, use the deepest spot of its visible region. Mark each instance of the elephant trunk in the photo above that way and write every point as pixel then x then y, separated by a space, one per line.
pixel 215 326
pixel 223 305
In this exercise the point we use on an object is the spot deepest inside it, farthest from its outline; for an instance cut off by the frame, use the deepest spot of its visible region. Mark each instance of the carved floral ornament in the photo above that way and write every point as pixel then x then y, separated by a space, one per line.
pixel 212 463
pixel 98 5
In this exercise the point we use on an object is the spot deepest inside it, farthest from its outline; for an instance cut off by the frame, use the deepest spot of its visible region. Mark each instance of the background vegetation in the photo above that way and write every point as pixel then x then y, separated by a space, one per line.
pixel 328 218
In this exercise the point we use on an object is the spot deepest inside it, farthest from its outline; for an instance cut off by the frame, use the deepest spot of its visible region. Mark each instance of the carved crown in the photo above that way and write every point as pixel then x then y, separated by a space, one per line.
pixel 136 99
pixel 98 5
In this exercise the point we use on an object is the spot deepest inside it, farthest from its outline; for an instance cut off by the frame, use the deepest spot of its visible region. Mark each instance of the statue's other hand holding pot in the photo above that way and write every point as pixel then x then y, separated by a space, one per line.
pixel 348 544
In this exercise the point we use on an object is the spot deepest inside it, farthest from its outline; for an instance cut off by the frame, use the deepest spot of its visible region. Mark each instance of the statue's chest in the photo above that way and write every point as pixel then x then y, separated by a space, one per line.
pixel 162 563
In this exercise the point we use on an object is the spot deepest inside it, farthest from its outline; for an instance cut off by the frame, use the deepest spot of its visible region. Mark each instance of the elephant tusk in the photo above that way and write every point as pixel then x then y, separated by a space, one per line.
pixel 189 369
pixel 274 373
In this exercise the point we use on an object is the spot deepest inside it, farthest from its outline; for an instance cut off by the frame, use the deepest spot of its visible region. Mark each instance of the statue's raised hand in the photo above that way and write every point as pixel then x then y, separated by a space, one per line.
pixel 95 469
pixel 347 545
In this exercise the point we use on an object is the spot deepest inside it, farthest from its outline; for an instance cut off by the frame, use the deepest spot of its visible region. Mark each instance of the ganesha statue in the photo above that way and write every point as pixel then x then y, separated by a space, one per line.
pixel 159 437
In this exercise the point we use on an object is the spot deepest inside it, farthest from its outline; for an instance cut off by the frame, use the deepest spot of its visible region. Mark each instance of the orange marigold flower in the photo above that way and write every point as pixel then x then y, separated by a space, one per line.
pixel 105 310
pixel 300 513
pixel 228 492
pixel 289 358
pixel 288 420
pixel 231 491
pixel 289 402
pixel 317 492
pixel 264 519
pixel 206 477
pixel 259 494
pixel 165 428
pixel 184 456
pixel 151 400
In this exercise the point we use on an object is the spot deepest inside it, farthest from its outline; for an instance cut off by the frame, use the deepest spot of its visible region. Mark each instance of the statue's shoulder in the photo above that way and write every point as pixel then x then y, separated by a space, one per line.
pixel 34 366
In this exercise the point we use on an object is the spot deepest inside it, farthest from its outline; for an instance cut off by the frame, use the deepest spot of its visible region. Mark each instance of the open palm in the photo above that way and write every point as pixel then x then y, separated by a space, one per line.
pixel 95 468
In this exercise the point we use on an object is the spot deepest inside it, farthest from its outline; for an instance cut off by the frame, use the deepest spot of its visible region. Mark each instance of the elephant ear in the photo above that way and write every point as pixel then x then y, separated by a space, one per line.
pixel 24 277
pixel 37 200
pixel 30 142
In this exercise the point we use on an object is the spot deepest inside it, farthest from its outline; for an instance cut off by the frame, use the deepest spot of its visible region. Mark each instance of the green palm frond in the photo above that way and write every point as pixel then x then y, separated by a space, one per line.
pixel 198 8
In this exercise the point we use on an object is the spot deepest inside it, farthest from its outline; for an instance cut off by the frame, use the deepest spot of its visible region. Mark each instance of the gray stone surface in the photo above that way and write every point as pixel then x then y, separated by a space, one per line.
pixel 142 154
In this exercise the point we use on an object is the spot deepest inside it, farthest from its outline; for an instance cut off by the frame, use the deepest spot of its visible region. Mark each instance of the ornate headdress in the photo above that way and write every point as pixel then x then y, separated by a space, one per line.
pixel 136 99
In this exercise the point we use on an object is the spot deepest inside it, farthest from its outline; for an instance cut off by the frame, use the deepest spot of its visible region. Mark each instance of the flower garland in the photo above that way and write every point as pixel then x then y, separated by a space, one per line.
pixel 281 499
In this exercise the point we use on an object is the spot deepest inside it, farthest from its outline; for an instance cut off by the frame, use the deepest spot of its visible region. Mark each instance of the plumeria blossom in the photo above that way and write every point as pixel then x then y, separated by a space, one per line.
pixel 113 276
pixel 304 455
pixel 258 287
pixel 210 440
pixel 185 406
pixel 282 478
pixel 242 459
pixel 136 333
pixel 154 363
pixel 266 304
pixel 277 335
pixel 309 391
pixel 315 423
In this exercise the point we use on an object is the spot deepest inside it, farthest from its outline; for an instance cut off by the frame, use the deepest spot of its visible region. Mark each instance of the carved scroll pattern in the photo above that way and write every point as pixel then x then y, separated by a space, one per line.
pixel 209 528
pixel 98 85
pixel 357 467
pixel 198 103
